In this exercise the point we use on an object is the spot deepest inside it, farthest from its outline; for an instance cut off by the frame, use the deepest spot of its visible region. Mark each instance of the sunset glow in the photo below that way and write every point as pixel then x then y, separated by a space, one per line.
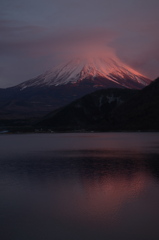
pixel 31 42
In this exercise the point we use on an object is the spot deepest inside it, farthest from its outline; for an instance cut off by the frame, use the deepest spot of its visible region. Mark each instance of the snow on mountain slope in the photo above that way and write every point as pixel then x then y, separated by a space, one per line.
pixel 77 70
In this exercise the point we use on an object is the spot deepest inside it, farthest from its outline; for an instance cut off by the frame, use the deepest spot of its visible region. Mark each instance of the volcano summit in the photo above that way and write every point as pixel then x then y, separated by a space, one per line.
pixel 65 83
pixel 101 72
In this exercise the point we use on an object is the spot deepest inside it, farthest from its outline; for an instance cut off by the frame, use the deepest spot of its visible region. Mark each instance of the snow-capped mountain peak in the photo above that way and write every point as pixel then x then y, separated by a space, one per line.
pixel 94 70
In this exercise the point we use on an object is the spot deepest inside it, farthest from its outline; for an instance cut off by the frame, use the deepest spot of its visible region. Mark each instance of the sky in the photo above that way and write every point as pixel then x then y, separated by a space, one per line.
pixel 36 35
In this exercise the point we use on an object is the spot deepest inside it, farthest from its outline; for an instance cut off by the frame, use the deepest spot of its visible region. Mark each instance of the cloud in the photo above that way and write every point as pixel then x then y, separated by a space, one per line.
pixel 36 35
pixel 30 50
pixel 139 48
pixel 35 41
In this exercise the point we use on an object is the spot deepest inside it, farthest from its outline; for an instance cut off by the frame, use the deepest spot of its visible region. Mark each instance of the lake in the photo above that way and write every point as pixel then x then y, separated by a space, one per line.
pixel 79 186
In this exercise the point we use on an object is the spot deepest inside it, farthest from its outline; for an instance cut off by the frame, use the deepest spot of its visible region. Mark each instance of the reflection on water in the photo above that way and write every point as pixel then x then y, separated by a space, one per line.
pixel 84 193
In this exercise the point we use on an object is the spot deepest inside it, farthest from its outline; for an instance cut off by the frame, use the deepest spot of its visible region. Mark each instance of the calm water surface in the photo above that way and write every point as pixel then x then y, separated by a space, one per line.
pixel 79 186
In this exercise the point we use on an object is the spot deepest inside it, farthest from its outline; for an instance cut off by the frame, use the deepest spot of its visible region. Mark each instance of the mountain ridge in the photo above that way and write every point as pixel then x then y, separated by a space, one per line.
pixel 77 70
pixel 64 84
pixel 109 110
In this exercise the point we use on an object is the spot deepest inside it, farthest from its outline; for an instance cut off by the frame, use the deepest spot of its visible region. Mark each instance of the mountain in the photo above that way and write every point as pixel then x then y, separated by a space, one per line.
pixel 91 112
pixel 141 112
pixel 109 110
pixel 101 72
pixel 66 83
